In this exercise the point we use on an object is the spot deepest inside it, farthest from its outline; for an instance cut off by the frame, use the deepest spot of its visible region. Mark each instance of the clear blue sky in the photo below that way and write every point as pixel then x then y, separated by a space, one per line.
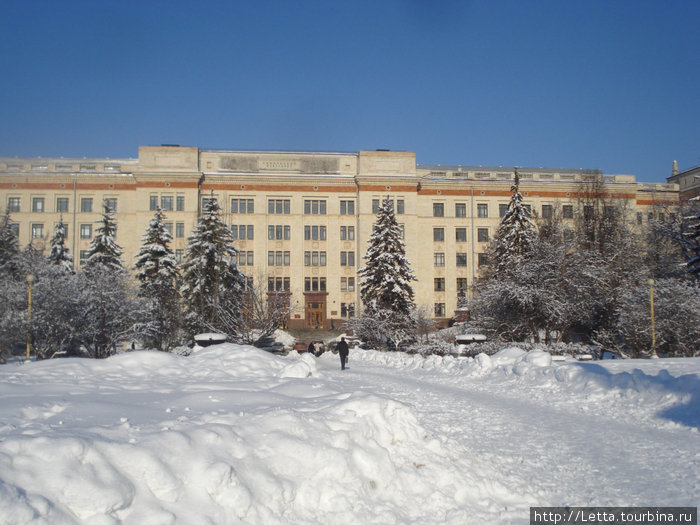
pixel 611 85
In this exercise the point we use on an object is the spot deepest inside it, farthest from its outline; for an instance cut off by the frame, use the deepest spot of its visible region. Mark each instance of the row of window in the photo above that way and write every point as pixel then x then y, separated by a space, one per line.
pixel 279 232
pixel 439 284
pixel 166 202
pixel 311 207
pixel 311 284
pixel 62 203
pixel 482 234
pixel 460 259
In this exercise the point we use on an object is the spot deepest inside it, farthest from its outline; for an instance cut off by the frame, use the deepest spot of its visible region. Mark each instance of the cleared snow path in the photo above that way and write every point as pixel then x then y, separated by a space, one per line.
pixel 558 453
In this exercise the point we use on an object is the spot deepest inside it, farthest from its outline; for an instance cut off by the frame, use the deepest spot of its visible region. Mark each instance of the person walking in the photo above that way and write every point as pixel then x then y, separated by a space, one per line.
pixel 343 350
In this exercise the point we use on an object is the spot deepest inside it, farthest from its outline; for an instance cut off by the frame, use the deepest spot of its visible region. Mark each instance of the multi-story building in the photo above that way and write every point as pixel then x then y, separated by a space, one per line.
pixel 688 181
pixel 302 220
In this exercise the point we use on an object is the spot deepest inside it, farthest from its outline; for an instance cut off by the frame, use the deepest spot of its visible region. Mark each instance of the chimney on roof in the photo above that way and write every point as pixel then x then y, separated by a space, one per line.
pixel 674 171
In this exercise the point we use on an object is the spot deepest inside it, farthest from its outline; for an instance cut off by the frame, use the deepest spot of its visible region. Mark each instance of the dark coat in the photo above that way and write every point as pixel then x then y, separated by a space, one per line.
pixel 343 349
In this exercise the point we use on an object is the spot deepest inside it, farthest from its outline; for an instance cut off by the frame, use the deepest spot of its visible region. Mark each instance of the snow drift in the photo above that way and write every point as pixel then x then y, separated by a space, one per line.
pixel 230 434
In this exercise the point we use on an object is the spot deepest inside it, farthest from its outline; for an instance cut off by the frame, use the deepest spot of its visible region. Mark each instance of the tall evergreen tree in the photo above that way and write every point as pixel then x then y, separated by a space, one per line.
pixel 60 254
pixel 9 247
pixel 212 286
pixel 385 279
pixel 157 272
pixel 515 234
pixel 103 248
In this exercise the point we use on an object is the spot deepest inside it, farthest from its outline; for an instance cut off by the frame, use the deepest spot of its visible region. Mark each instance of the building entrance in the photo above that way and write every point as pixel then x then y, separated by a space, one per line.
pixel 316 311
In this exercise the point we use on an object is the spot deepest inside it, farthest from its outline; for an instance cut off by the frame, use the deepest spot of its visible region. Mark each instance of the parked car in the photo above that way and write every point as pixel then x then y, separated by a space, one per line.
pixel 300 347
pixel 270 345
pixel 209 339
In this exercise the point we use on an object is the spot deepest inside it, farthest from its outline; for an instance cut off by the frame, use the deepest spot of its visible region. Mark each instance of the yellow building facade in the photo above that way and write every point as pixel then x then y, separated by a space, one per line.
pixel 302 220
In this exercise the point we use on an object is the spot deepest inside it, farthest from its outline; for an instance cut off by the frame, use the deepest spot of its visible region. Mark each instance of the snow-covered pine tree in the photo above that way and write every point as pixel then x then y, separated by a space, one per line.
pixel 157 273
pixel 385 279
pixel 212 286
pixel 60 254
pixel 9 247
pixel 103 248
pixel 515 234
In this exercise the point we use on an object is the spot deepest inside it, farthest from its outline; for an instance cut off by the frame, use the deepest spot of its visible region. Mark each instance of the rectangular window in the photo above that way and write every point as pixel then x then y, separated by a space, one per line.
pixel 462 283
pixel 13 204
pixel 168 227
pixel 111 204
pixel 83 257
pixel 460 209
pixel 483 260
pixel 86 231
pixel 461 234
pixel 640 217
pixel 166 202
pixel 588 212
pixel 278 206
pixel 347 207
pixel 180 203
pixel 37 231
pixel 461 260
pixel 347 258
pixel 502 210
pixel 351 284
pixel 270 258
pixel 250 230
pixel 14 229
pixel 439 309
pixel 438 234
pixel 278 258
pixel 242 206
pixel 400 206
pixel 179 229
pixel 567 211
pixel 347 233
pixel 315 258
pixel 482 210
pixel 439 259
pixel 314 207
pixel 38 204
pixel 152 203
pixel 547 211
pixel 245 258
pixel 86 205
pixel 375 206
pixel 62 204
pixel 482 234
pixel 439 284
pixel 347 309
pixel 179 254
pixel 438 209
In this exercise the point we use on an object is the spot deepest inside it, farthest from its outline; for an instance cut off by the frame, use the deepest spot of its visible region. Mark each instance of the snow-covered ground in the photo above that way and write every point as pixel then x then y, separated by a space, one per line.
pixel 232 434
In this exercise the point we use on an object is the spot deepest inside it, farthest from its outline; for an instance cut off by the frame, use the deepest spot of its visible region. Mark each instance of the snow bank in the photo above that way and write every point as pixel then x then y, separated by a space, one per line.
pixel 670 387
pixel 230 434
